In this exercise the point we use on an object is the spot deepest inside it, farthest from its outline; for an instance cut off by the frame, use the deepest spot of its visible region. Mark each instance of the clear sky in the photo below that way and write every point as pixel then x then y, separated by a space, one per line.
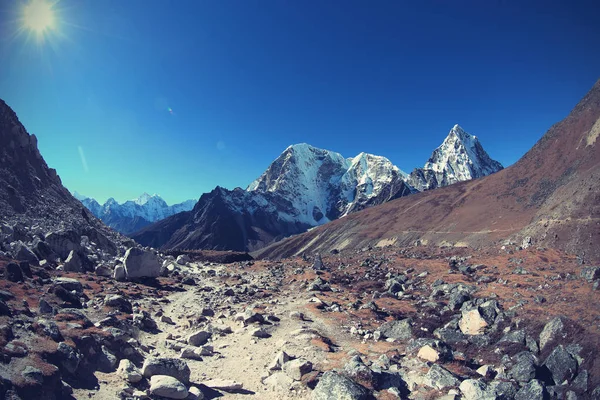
pixel 176 97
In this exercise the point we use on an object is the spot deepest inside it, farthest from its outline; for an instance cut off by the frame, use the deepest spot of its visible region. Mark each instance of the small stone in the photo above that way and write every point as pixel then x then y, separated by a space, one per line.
pixel 297 368
pixel 199 338
pixel 428 353
pixel 260 333
pixel 223 384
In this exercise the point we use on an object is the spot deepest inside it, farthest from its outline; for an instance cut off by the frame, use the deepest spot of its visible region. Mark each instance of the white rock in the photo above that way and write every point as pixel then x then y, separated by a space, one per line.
pixel 129 371
pixel 472 323
pixel 428 353
pixel 119 273
pixel 279 382
pixel 223 384
pixel 167 386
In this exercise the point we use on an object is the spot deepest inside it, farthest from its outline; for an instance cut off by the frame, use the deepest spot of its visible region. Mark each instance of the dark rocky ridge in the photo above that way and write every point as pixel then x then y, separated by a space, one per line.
pixel 33 201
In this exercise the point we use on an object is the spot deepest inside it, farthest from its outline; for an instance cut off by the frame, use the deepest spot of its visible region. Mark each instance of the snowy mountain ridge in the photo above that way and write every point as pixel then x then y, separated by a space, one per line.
pixel 132 215
pixel 314 186
pixel 307 186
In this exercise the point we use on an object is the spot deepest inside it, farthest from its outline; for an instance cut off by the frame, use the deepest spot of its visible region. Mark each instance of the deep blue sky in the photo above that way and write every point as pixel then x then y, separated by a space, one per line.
pixel 245 79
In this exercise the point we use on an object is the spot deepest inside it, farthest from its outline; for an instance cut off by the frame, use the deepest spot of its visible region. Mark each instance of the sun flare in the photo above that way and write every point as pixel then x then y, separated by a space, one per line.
pixel 39 17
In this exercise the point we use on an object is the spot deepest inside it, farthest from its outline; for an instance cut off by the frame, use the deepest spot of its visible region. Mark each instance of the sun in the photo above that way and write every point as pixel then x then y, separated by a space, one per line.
pixel 39 17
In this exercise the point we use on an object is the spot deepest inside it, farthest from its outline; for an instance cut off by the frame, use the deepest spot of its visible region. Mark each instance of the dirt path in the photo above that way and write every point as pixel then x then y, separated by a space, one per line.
pixel 238 356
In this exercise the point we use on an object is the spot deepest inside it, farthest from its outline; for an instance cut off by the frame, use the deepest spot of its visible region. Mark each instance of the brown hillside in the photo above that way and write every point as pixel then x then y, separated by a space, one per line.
pixel 552 194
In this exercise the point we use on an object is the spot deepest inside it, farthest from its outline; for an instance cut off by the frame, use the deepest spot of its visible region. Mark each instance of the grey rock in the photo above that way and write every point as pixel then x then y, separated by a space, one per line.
pixel 533 390
pixel 33 374
pixel 69 284
pixel 174 367
pixel 183 259
pixel 524 367
pixel 107 361
pixel 502 390
pixel 295 369
pixel 45 307
pixel 513 337
pixel 318 264
pixel 43 251
pixel 141 264
pixel 26 269
pixel 319 285
pixel 552 331
pixel 280 359
pixel 399 329
pixel 333 386
pixel 24 253
pixel 63 242
pixel 73 263
pixel 144 321
pixel 440 378
pixel 580 382
pixel 561 365
pixel 13 272
pixel 103 270
pixel 590 274
pixel 260 333
pixel 199 338
pixel 69 358
pixel 356 370
pixel 119 302
pixel 457 300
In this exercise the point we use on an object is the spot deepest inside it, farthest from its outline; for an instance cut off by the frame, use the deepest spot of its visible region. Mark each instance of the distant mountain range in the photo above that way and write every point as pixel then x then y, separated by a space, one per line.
pixel 306 187
pixel 550 199
pixel 133 215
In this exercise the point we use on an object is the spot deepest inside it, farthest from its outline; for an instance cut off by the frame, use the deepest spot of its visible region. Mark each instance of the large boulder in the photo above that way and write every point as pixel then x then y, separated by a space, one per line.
pixel 24 253
pixel 439 378
pixel 561 365
pixel 552 330
pixel 473 389
pixel 399 329
pixel 63 242
pixel 69 284
pixel 101 241
pixel 174 367
pixel 141 264
pixel 199 338
pixel 43 251
pixel 533 390
pixel 333 386
pixel 73 262
pixel 128 371
pixel 524 367
pixel 167 387
pixel 13 272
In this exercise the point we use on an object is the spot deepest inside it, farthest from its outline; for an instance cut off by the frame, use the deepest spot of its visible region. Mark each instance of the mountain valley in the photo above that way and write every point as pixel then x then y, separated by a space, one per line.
pixel 482 286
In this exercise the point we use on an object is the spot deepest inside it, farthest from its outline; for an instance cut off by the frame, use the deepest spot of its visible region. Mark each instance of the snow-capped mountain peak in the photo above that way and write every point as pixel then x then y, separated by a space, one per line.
pixel 459 158
pixel 314 186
